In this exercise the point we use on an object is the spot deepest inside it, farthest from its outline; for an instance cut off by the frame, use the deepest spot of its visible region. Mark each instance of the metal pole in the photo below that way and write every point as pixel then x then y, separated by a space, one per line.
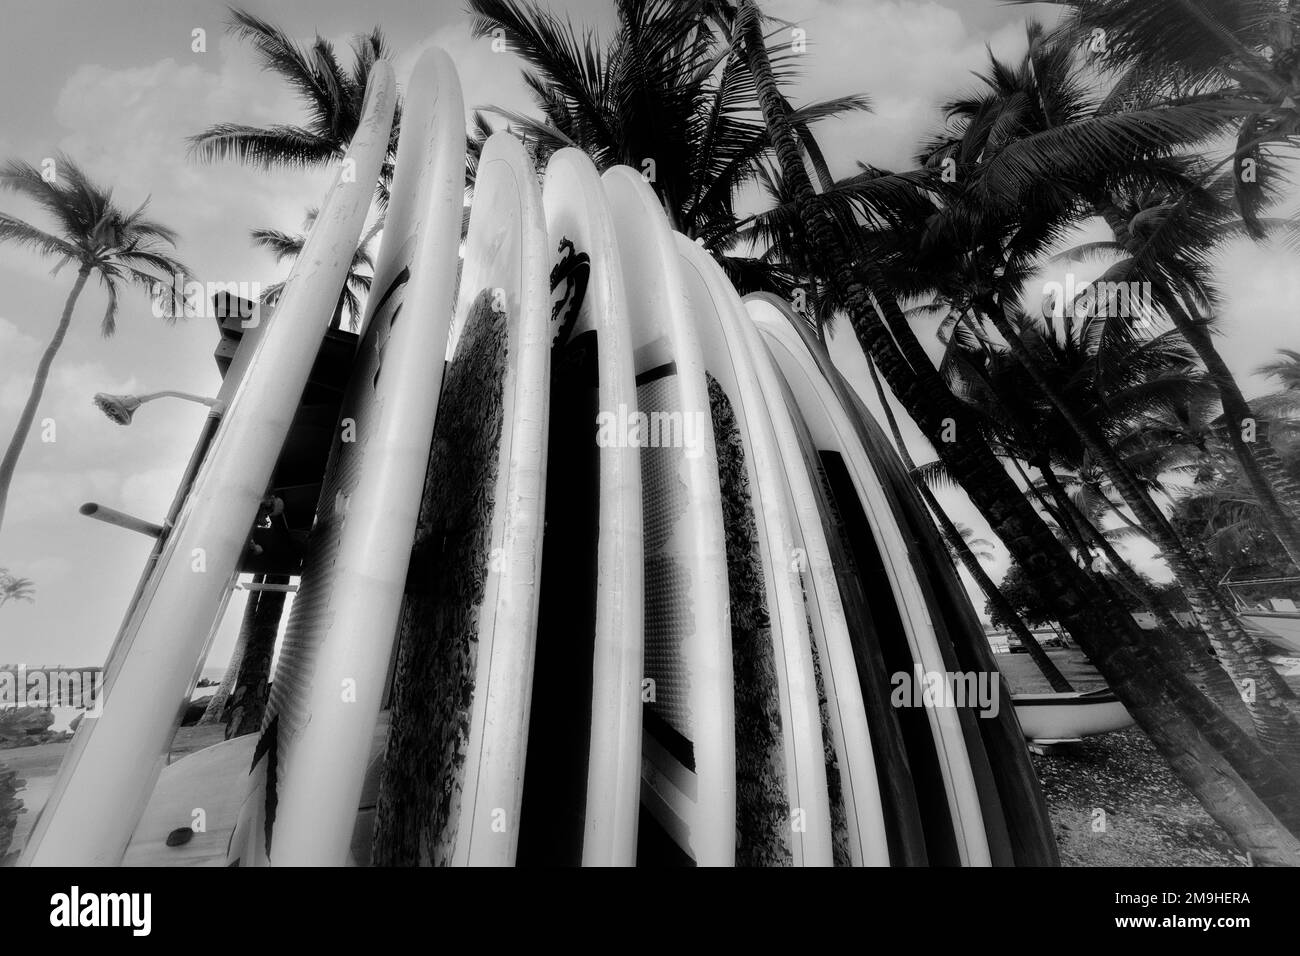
pixel 120 518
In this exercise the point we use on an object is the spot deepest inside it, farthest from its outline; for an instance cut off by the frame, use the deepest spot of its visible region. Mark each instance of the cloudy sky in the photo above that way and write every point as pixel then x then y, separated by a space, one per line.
pixel 118 86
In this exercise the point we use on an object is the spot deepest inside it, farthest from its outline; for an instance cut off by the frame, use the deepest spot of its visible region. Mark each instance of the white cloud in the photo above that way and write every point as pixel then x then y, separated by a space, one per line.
pixel 908 57
pixel 131 124
pixel 39 493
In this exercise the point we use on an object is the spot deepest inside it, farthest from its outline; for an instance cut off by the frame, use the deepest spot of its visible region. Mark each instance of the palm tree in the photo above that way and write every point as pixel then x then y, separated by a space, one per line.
pixel 246 705
pixel 333 95
pixel 1277 411
pixel 979 239
pixel 963 548
pixel 355 288
pixel 1238 57
pixel 1221 501
pixel 986 241
pixel 14 588
pixel 1177 717
pixel 240 700
pixel 1166 239
pixel 1133 386
pixel 664 95
pixel 1219 510
pixel 91 231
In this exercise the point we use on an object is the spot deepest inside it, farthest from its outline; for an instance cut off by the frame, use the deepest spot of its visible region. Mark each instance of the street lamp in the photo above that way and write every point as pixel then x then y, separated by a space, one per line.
pixel 120 408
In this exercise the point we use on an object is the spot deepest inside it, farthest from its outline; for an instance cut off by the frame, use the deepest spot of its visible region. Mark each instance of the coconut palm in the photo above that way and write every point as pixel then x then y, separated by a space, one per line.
pixel 1240 57
pixel 240 700
pixel 1178 718
pixel 351 303
pixel 1142 392
pixel 664 95
pixel 334 96
pixel 97 236
pixel 986 243
pixel 1073 494
pixel 1165 240
pixel 963 544
pixel 1107 384
pixel 14 588
pixel 1221 501
pixel 1287 372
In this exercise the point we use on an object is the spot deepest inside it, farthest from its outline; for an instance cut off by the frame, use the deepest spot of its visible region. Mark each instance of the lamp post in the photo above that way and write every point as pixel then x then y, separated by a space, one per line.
pixel 120 408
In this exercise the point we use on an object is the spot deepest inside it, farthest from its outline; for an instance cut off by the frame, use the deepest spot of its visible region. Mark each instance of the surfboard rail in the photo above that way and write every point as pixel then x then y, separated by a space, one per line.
pixel 105 782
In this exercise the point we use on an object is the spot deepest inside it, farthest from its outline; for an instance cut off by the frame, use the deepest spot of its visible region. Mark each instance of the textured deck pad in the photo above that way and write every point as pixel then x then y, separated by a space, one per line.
pixel 435 669
pixel 762 803
pixel 669 623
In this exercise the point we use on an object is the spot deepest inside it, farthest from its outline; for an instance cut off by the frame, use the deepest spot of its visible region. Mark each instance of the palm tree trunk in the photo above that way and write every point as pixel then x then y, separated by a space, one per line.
pixel 10 461
pixel 972 564
pixel 253 686
pixel 1275 472
pixel 1278 493
pixel 1005 611
pixel 1181 721
pixel 1191 646
pixel 1267 697
pixel 1279 499
pixel 216 709
pixel 1056 507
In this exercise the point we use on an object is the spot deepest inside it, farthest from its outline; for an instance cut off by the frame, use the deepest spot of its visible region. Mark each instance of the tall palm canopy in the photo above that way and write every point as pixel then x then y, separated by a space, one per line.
pixel 96 235
pixel 667 95
pixel 1240 57
pixel 333 95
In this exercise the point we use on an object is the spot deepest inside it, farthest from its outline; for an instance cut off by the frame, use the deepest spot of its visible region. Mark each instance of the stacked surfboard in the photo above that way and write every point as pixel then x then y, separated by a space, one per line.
pixel 609 567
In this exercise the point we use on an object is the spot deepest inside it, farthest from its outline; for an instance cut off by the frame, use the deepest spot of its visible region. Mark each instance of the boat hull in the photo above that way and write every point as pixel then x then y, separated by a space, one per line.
pixel 1280 629
pixel 1054 718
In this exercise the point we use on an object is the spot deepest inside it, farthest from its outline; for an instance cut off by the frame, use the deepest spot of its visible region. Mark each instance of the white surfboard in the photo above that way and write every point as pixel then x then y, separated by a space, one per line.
pixel 105 781
pixel 811 568
pixel 784 625
pixel 452 782
pixel 688 733
pixel 856 717
pixel 815 405
pixel 329 679
pixel 582 789
pixel 1021 833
